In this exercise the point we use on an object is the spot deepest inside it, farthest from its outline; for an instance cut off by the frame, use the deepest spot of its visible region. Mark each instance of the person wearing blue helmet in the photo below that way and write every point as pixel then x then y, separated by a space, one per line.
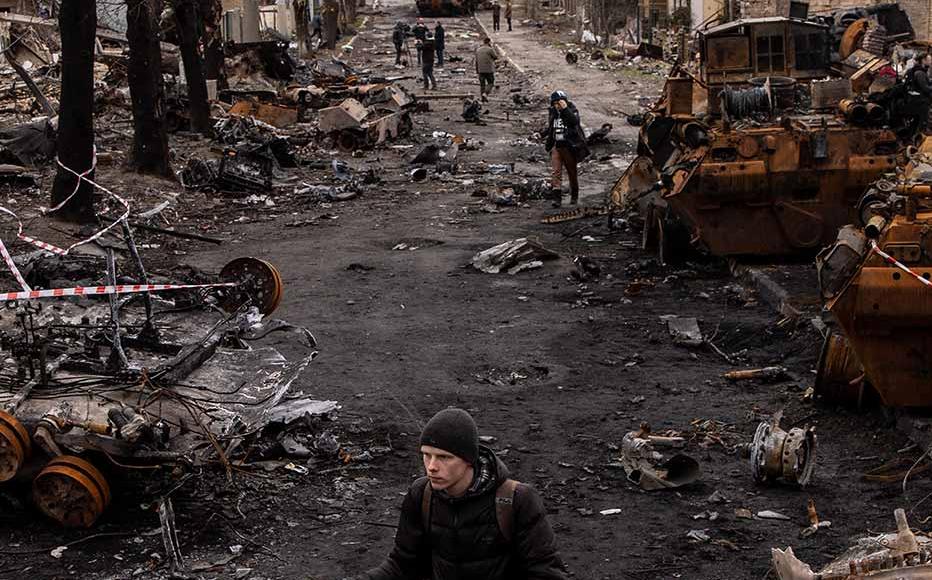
pixel 566 143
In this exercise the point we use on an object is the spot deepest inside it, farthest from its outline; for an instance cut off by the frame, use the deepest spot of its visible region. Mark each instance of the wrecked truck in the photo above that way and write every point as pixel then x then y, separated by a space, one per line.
pixel 735 162
pixel 875 281
pixel 138 381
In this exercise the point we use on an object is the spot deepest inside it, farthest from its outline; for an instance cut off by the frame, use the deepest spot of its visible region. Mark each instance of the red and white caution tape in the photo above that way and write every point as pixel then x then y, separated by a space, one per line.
pixel 894 262
pixel 12 266
pixel 103 290
pixel 83 176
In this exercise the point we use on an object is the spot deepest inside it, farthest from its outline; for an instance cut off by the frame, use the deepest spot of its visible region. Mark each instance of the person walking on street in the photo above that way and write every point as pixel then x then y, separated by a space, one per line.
pixel 420 33
pixel 439 42
pixel 398 39
pixel 508 14
pixel 496 16
pixel 316 28
pixel 485 68
pixel 566 144
pixel 466 519
pixel 920 92
pixel 427 64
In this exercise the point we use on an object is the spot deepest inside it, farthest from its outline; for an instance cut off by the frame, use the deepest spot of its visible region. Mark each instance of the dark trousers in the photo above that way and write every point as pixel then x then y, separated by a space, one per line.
pixel 429 75
pixel 397 54
pixel 440 57
pixel 496 21
pixel 509 23
pixel 486 82
pixel 564 158
pixel 419 55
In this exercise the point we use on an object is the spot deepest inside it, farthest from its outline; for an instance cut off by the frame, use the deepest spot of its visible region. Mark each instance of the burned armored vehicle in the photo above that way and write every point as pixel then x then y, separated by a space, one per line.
pixel 106 378
pixel 875 280
pixel 759 154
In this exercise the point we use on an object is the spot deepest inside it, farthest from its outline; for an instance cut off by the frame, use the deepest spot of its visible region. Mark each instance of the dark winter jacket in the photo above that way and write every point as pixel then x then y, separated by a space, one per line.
pixel 419 31
pixel 464 542
pixel 398 36
pixel 439 37
pixel 918 78
pixel 570 134
pixel 427 53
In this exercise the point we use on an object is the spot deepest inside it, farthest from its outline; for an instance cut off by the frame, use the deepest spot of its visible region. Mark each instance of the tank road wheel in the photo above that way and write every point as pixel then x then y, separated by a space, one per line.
pixel 839 375
pixel 15 446
pixel 71 491
pixel 258 282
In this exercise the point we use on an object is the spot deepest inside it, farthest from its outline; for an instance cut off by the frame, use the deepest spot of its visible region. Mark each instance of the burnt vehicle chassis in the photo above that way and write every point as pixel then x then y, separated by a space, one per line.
pixel 138 381
pixel 875 282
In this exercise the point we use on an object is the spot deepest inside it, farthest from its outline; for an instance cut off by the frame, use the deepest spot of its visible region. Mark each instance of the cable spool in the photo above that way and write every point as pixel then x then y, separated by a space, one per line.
pixel 71 491
pixel 743 103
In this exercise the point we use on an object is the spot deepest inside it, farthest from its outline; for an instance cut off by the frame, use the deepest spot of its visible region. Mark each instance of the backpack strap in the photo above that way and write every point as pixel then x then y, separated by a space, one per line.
pixel 504 508
pixel 425 507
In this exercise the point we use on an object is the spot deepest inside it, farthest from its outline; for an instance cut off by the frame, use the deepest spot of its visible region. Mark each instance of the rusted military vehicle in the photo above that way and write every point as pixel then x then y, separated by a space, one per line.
pixel 737 161
pixel 875 280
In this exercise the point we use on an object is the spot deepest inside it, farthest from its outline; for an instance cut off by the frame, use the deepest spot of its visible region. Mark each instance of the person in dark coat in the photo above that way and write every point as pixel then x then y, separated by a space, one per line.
pixel 420 33
pixel 566 143
pixel 428 47
pixel 496 16
pixel 920 93
pixel 508 14
pixel 398 39
pixel 466 519
pixel 440 37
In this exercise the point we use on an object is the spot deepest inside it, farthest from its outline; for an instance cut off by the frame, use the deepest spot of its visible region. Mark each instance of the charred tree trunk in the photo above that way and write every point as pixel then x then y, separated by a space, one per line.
pixel 77 21
pixel 150 139
pixel 212 39
pixel 329 13
pixel 302 33
pixel 186 15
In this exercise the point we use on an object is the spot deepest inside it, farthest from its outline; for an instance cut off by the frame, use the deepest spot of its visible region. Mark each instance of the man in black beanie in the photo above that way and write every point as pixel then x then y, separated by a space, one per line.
pixel 466 520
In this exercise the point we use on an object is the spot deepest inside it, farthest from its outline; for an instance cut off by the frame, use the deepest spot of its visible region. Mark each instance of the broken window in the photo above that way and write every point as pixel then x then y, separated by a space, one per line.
pixel 810 51
pixel 771 55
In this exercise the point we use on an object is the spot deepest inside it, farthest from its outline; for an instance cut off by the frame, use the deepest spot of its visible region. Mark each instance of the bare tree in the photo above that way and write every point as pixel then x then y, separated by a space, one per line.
pixel 77 21
pixel 187 19
pixel 150 138
pixel 302 32
pixel 212 38
pixel 329 13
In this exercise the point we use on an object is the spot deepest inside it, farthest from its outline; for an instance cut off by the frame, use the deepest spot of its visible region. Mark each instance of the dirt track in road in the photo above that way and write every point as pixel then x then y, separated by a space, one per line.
pixel 556 370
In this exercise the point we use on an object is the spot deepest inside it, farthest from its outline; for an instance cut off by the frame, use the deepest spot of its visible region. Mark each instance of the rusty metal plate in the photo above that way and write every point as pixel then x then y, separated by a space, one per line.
pixel 273 115
pixel 742 179
pixel 888 297
pixel 728 53
pixel 909 253
pixel 864 170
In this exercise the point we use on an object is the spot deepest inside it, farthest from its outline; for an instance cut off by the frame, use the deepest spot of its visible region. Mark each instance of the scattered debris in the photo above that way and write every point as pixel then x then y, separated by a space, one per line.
pixel 649 469
pixel 512 257
pixel 780 455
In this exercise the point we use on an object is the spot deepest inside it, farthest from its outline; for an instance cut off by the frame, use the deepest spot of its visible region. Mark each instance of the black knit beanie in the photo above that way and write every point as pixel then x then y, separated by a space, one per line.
pixel 455 431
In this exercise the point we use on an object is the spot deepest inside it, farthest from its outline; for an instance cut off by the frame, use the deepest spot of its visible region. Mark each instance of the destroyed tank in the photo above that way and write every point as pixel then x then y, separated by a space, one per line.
pixel 875 282
pixel 445 7
pixel 739 161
